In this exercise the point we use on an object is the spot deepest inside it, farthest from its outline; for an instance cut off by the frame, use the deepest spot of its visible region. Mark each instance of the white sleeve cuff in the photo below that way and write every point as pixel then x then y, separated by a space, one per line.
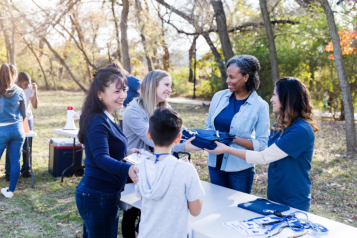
pixel 271 154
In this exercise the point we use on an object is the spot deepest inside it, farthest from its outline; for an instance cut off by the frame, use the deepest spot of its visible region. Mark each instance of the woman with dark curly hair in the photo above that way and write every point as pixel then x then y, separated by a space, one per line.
pixel 291 146
pixel 240 111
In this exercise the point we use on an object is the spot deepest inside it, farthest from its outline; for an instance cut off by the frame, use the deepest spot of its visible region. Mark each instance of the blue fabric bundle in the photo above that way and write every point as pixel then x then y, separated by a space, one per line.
pixel 206 138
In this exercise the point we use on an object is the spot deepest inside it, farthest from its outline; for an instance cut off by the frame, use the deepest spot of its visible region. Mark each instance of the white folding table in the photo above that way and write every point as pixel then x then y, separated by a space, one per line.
pixel 74 134
pixel 220 205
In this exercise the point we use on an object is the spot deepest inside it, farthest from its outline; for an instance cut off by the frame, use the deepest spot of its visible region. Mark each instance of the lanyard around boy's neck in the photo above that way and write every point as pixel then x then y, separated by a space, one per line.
pixel 158 155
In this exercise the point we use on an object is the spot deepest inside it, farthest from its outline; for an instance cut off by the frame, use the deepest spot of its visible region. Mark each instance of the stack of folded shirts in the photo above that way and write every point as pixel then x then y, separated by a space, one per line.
pixel 205 138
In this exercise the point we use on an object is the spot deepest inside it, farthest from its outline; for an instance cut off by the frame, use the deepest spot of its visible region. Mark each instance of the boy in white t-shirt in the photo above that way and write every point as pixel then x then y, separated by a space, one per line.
pixel 170 188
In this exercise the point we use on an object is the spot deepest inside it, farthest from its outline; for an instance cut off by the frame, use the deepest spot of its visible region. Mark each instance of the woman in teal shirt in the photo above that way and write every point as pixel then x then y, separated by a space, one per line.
pixel 240 111
pixel 291 146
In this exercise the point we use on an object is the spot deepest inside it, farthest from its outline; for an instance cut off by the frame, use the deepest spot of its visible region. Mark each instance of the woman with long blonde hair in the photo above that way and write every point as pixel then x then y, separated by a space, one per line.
pixel 155 89
pixel 290 146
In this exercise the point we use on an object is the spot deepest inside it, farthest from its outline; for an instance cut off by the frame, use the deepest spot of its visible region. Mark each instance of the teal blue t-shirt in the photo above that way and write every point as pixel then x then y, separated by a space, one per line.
pixel 288 178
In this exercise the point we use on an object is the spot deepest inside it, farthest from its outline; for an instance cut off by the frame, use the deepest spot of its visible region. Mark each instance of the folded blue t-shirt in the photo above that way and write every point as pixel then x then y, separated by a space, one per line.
pixel 206 138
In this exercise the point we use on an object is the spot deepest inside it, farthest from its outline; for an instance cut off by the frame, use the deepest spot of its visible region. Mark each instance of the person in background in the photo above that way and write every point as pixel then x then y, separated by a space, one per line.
pixel 30 89
pixel 12 114
pixel 170 188
pixel 240 111
pixel 133 89
pixel 291 145
pixel 105 145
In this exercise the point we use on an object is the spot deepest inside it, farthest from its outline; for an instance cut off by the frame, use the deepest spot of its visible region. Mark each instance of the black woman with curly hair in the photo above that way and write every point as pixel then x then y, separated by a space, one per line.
pixel 290 146
pixel 240 111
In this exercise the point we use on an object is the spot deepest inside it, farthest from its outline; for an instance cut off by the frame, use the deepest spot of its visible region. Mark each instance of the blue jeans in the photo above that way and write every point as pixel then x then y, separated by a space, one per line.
pixel 12 136
pixel 24 157
pixel 241 181
pixel 99 212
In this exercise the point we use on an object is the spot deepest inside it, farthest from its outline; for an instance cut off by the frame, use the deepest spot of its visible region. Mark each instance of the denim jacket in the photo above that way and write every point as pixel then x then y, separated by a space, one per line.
pixel 251 122
pixel 13 105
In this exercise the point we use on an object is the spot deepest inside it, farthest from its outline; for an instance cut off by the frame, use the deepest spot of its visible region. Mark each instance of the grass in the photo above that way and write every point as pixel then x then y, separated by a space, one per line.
pixel 49 210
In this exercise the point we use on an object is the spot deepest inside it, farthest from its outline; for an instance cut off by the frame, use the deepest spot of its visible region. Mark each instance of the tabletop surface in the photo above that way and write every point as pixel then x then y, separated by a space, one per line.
pixel 71 133
pixel 31 134
pixel 220 205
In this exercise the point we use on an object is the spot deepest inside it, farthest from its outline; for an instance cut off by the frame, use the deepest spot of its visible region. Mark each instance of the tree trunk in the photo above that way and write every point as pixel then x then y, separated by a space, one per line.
pixel 64 64
pixel 271 42
pixel 12 53
pixel 143 39
pixel 60 74
pixel 344 84
pixel 124 35
pixel 166 57
pixel 116 31
pixel 222 29
pixel 52 74
pixel 342 115
pixel 39 63
pixel 109 58
pixel 7 39
pixel 191 55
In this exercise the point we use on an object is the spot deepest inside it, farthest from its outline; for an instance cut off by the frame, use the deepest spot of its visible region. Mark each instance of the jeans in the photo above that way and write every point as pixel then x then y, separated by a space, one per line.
pixel 12 136
pixel 99 212
pixel 241 181
pixel 24 157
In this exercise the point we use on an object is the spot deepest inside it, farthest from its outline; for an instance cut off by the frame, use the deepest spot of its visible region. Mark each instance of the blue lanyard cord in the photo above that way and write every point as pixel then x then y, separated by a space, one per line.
pixel 158 155
pixel 297 224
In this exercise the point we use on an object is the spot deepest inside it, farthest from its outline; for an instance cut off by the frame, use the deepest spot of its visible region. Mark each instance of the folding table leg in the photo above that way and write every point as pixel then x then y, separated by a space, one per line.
pixel 29 159
pixel 74 159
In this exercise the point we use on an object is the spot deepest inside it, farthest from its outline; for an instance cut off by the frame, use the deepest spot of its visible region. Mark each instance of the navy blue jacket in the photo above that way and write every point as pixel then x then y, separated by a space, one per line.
pixel 133 86
pixel 105 147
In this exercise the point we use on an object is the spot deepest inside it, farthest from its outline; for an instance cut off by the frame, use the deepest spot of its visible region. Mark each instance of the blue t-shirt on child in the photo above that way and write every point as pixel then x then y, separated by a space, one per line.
pixel 288 178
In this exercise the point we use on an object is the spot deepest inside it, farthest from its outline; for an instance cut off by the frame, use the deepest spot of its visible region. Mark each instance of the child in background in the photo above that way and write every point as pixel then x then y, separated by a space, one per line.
pixel 30 89
pixel 169 188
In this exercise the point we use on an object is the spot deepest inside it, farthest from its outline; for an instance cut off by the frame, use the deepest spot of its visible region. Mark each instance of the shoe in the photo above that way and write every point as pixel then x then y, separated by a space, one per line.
pixel 7 193
pixel 7 177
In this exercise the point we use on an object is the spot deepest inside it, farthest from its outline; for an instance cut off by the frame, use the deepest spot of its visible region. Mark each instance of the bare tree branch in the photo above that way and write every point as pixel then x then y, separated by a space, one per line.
pixel 237 28
pixel 38 61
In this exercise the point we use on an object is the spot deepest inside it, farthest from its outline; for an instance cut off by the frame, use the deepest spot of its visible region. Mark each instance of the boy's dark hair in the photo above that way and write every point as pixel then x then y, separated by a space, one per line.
pixel 23 77
pixel 164 126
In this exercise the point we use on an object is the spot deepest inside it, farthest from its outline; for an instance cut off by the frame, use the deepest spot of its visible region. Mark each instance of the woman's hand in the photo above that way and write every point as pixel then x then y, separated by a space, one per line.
pixel 133 174
pixel 132 151
pixel 188 147
pixel 220 149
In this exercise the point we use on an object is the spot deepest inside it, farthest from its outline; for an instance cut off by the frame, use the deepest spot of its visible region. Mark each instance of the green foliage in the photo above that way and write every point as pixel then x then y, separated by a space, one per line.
pixel 180 83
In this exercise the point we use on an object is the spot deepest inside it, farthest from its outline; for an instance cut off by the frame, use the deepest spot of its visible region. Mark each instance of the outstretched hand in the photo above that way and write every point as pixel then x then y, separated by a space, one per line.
pixel 133 174
pixel 189 147
pixel 220 149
